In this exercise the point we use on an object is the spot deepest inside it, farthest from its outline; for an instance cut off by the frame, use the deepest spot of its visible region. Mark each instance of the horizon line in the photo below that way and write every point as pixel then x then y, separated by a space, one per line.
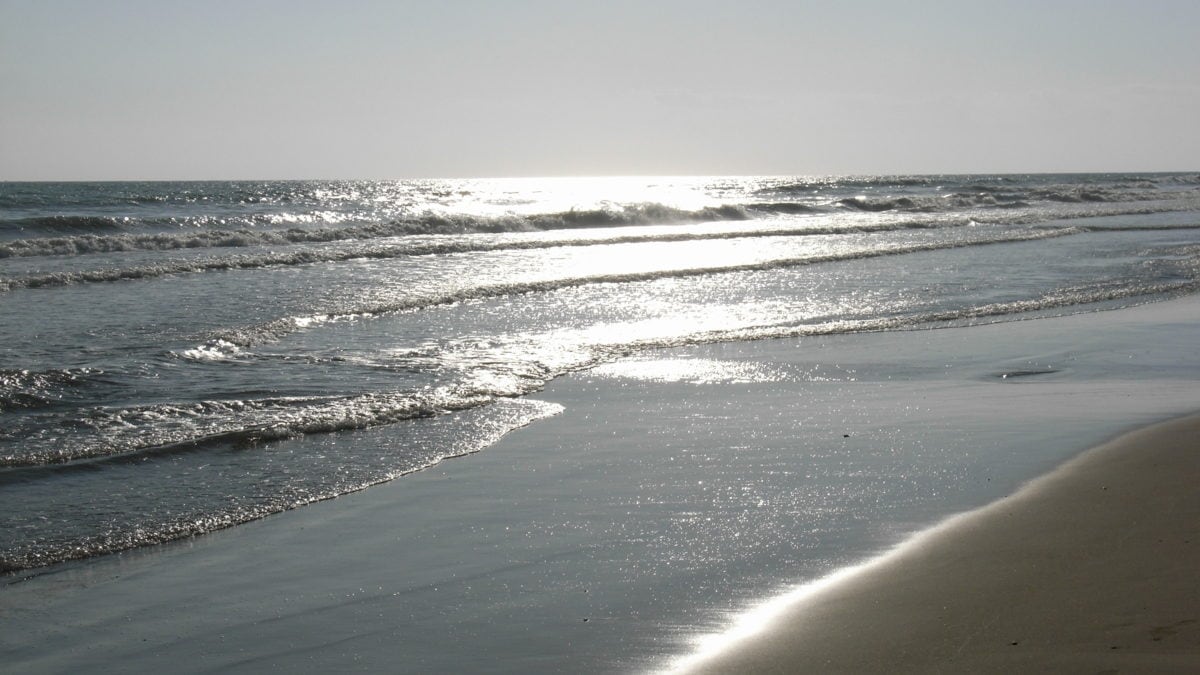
pixel 596 176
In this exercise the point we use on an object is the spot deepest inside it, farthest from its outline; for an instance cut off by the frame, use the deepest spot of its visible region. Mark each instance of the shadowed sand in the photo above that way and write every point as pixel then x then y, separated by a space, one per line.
pixel 1093 568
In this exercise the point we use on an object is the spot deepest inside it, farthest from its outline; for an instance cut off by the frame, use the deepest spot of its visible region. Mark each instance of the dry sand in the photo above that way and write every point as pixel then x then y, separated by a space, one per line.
pixel 1094 568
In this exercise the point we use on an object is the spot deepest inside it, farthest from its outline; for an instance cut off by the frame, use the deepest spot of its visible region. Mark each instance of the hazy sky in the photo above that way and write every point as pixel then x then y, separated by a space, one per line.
pixel 168 89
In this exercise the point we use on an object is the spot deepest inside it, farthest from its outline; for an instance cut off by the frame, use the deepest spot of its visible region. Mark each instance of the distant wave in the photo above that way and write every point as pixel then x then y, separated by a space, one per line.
pixel 311 256
pixel 104 195
pixel 900 193
pixel 1186 179
pixel 35 247
pixel 888 204
pixel 75 234
pixel 818 184
pixel 986 197
pixel 273 330
pixel 1059 299
pixel 86 240
pixel 84 235
pixel 1080 195
pixel 66 225
pixel 633 214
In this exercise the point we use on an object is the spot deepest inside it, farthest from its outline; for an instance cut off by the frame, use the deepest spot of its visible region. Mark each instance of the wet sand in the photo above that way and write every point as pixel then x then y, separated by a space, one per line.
pixel 1092 568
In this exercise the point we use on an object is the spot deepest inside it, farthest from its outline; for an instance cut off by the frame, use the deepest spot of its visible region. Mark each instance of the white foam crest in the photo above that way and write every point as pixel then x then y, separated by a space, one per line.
pixel 317 256
pixel 216 350
pixel 613 215
pixel 174 427
pixel 310 256
pixel 429 223
pixel 276 493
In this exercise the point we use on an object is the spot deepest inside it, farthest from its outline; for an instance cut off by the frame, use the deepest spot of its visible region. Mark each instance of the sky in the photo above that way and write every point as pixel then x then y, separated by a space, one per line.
pixel 248 89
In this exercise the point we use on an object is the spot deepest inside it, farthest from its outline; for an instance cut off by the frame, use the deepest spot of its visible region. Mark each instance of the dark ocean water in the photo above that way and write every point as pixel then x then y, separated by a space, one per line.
pixel 164 345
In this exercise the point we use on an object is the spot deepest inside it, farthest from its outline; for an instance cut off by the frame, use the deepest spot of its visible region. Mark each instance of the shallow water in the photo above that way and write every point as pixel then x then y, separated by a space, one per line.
pixel 673 489
pixel 198 345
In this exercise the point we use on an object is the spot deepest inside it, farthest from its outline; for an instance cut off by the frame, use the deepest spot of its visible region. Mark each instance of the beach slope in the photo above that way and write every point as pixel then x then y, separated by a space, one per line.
pixel 1092 568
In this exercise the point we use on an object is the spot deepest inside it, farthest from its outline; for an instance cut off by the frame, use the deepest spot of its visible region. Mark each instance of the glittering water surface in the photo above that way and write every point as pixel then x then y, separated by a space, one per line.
pixel 170 350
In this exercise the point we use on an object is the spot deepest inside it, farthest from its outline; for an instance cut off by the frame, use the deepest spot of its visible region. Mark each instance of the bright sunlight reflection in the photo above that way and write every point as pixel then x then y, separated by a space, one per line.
pixel 500 196
pixel 754 621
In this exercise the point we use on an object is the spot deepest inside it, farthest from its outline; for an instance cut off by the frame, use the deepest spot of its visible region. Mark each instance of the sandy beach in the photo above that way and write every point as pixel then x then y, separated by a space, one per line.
pixel 1091 568
pixel 529 337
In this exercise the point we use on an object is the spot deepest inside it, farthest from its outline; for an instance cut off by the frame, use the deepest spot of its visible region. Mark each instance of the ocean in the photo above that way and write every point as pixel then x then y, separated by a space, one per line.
pixel 165 345
pixel 670 399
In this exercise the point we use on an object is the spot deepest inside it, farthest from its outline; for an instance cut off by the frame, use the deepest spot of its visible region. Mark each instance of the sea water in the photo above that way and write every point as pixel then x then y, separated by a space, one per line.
pixel 165 347
pixel 724 386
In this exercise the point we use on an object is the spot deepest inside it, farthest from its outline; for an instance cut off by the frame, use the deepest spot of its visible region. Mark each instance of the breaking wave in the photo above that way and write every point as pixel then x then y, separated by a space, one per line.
pixel 171 428
pixel 84 235
pixel 86 240
pixel 446 247
pixel 316 256
pixel 280 489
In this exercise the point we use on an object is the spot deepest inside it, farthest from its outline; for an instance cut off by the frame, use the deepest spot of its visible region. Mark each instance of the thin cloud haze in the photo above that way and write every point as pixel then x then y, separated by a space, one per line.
pixel 144 90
